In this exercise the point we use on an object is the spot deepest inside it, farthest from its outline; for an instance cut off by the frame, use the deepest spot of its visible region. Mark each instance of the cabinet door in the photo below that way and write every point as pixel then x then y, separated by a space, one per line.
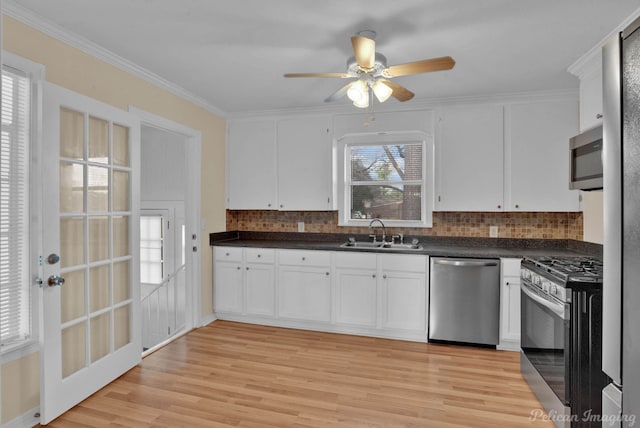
pixel 591 96
pixel 251 164
pixel 538 164
pixel 304 164
pixel 470 147
pixel 356 297
pixel 260 292
pixel 404 301
pixel 227 287
pixel 304 293
pixel 510 322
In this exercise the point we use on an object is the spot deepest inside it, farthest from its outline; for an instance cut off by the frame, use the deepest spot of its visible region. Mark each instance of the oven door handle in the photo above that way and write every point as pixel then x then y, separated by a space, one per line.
pixel 557 308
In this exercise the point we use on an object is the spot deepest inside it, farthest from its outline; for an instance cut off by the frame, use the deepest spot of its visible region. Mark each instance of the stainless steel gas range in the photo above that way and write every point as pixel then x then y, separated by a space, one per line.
pixel 561 337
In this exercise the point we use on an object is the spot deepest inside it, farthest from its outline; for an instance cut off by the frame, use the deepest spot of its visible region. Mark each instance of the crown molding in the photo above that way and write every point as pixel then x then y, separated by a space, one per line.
pixel 415 104
pixel 28 17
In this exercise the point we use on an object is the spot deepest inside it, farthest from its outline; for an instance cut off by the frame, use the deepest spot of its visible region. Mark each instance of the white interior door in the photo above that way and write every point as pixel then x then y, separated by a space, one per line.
pixel 91 322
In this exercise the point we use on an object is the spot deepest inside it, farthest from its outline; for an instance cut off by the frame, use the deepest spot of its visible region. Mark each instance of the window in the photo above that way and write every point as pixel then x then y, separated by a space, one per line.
pixel 15 298
pixel 387 177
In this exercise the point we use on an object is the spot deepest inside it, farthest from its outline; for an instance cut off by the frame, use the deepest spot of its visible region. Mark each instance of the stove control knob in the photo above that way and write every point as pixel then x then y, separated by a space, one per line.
pixel 526 274
pixel 545 286
pixel 536 279
pixel 553 289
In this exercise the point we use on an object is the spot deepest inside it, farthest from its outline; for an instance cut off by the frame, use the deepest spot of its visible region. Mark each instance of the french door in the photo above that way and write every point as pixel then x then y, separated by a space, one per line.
pixel 91 258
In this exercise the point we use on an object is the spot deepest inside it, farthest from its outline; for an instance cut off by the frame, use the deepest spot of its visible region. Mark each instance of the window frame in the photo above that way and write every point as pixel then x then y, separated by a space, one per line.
pixel 36 74
pixel 344 145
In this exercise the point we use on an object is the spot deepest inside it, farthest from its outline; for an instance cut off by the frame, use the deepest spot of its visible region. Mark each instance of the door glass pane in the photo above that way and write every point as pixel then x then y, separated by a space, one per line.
pixel 71 241
pixel 99 293
pixel 98 238
pixel 100 336
pixel 122 328
pixel 72 299
pixel 120 145
pixel 120 236
pixel 120 282
pixel 73 349
pixel 98 189
pixel 120 191
pixel 98 140
pixel 71 187
pixel 71 134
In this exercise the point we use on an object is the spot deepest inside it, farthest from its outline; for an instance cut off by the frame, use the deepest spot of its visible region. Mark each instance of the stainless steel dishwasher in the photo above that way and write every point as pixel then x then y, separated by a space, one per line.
pixel 464 300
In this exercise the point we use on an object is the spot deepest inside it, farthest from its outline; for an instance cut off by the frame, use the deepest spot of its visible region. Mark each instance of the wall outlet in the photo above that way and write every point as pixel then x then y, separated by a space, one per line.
pixel 301 226
pixel 493 231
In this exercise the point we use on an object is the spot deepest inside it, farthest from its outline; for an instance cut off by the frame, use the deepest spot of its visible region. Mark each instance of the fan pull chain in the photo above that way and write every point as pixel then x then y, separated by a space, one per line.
pixel 372 116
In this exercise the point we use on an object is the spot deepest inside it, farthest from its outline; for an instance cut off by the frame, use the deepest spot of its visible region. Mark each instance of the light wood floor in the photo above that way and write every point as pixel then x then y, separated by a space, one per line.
pixel 240 375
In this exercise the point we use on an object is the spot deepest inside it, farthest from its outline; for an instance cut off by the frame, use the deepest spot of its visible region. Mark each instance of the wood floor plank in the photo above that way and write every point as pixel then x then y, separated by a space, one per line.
pixel 240 375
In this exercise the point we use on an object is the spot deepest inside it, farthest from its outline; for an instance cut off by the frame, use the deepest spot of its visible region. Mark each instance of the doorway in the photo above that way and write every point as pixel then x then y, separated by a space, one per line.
pixel 169 221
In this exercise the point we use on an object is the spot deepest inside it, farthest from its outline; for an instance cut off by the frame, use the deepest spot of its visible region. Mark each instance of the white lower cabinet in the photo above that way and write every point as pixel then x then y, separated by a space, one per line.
pixel 404 292
pixel 510 304
pixel 350 292
pixel 244 281
pixel 304 285
pixel 356 288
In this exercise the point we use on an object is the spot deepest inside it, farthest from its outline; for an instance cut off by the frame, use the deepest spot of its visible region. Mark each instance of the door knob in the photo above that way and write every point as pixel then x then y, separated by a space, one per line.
pixel 53 258
pixel 55 280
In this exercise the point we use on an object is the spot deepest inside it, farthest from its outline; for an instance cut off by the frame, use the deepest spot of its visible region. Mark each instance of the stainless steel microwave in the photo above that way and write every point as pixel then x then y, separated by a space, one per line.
pixel 586 160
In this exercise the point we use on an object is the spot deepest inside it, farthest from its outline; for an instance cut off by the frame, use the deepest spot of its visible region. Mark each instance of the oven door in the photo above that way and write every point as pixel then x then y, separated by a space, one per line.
pixel 545 338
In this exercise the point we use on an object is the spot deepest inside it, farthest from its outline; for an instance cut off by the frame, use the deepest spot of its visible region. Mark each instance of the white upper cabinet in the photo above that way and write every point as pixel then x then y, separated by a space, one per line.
pixel 589 70
pixel 251 164
pixel 304 164
pixel 537 156
pixel 469 143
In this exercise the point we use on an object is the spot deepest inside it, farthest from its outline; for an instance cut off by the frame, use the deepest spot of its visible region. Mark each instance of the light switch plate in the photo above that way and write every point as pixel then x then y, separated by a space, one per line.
pixel 493 231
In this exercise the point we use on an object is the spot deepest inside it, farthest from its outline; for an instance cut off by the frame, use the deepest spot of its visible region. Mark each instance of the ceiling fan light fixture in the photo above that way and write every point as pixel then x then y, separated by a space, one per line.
pixel 381 91
pixel 362 102
pixel 357 91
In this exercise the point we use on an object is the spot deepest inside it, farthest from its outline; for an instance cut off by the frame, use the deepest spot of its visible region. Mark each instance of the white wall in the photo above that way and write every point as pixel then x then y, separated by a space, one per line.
pixel 163 168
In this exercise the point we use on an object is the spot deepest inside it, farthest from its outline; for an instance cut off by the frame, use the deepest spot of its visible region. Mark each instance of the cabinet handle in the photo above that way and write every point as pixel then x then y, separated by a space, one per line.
pixel 226 254
pixel 517 206
pixel 373 276
pixel 499 206
pixel 281 206
pixel 507 283
pixel 259 256
pixel 269 205
pixel 238 268
pixel 247 267
pixel 327 273
pixel 599 116
pixel 384 276
pixel 304 258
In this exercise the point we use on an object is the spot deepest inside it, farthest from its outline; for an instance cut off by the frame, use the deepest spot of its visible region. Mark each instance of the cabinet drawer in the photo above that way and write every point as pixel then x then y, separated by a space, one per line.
pixel 404 263
pixel 228 254
pixel 260 255
pixel 304 258
pixel 510 267
pixel 356 260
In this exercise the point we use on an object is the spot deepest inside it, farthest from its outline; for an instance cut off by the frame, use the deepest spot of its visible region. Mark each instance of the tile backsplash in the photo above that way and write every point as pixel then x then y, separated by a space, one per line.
pixel 545 225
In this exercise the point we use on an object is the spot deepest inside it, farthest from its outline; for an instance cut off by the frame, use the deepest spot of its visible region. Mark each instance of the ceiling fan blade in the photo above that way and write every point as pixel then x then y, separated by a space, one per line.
pixel 424 66
pixel 399 92
pixel 339 75
pixel 339 93
pixel 364 50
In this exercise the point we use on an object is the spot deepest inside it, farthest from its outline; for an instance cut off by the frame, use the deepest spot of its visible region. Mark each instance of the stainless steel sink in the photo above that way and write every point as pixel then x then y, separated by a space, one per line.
pixel 360 245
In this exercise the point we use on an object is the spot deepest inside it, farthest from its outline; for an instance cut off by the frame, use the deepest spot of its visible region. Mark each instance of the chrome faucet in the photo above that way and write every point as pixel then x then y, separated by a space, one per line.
pixel 373 235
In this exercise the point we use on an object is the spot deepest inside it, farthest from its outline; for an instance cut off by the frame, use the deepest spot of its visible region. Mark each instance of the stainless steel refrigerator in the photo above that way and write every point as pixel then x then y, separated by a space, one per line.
pixel 621 284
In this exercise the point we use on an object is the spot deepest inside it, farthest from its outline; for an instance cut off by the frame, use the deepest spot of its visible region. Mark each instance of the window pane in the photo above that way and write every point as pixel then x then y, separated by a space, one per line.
pixel 395 163
pixel 401 202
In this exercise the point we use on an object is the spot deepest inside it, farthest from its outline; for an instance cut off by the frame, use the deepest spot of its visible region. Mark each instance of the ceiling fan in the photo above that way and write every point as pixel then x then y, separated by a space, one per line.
pixel 372 73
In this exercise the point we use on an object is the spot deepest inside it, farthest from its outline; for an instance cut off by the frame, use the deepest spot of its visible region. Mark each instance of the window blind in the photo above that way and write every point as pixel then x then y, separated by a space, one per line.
pixel 15 301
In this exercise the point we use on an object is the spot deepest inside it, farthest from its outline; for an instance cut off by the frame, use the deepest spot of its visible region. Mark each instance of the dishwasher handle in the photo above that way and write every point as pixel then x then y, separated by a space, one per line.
pixel 471 263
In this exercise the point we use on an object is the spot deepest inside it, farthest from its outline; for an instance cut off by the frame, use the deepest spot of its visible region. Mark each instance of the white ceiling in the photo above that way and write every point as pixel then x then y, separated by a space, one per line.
pixel 233 53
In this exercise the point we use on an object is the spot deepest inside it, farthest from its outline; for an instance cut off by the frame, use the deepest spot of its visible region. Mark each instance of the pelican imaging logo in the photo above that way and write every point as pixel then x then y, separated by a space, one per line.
pixel 588 416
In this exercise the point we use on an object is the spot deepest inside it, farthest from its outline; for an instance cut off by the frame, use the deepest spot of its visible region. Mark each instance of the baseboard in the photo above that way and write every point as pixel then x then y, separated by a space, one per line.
pixel 208 319
pixel 27 420
pixel 509 345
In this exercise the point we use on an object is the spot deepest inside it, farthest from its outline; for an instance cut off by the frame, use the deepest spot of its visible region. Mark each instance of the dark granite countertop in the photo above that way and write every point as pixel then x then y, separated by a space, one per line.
pixel 432 245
